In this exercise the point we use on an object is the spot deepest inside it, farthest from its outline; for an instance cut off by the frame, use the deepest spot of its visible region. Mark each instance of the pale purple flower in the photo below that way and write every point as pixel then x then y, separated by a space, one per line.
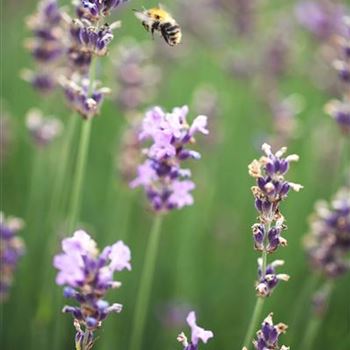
pixel 181 195
pixel 88 275
pixel 197 334
pixel 161 174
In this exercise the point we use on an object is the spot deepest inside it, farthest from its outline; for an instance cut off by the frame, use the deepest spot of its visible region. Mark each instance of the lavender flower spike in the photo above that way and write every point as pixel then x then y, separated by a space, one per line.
pixel 87 275
pixel 197 334
pixel 166 184
pixel 11 249
pixel 267 336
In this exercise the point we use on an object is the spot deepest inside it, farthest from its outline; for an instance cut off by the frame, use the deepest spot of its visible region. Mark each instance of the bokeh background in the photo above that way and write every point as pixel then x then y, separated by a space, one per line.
pixel 264 77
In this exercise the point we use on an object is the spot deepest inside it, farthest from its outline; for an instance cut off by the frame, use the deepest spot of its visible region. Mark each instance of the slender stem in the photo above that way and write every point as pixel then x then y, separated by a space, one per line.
pixel 300 305
pixel 315 321
pixel 260 301
pixel 145 285
pixel 65 152
pixel 75 198
pixel 79 175
pixel 253 322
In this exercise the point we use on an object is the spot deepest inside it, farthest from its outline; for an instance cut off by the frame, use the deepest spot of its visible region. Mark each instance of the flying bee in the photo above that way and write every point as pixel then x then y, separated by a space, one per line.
pixel 158 19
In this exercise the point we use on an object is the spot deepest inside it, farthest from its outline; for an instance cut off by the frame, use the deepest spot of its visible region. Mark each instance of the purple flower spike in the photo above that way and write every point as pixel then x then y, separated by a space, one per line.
pixel 87 275
pixel 197 334
pixel 328 242
pixel 11 249
pixel 267 336
pixel 166 184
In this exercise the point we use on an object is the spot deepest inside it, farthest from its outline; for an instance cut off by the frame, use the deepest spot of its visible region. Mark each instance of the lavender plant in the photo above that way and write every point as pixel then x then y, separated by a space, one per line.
pixel 11 249
pixel 197 334
pixel 87 275
pixel 166 184
pixel 270 190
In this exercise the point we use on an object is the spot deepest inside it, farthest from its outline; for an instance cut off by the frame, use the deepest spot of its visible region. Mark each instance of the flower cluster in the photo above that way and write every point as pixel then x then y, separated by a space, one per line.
pixel 88 40
pixel 166 184
pixel 267 282
pixel 42 129
pixel 81 98
pixel 271 188
pixel 339 110
pixel 88 37
pixel 96 10
pixel 88 275
pixel 268 335
pixel 11 249
pixel 197 334
pixel 47 46
pixel 328 242
pixel 136 75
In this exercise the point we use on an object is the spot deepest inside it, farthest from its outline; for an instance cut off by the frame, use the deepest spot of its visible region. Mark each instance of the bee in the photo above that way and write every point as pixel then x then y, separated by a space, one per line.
pixel 158 19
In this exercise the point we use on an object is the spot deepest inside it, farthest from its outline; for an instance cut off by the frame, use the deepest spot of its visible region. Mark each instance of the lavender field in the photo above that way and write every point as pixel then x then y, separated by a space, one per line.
pixel 175 176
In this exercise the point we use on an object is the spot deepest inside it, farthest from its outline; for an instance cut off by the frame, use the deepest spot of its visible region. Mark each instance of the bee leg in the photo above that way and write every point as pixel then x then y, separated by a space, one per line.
pixel 146 26
pixel 155 26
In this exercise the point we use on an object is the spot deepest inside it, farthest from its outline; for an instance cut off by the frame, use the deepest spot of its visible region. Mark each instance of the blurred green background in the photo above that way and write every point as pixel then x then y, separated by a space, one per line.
pixel 206 260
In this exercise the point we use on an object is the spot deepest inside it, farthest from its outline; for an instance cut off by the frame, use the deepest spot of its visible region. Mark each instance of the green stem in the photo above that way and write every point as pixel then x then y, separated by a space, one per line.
pixel 316 321
pixel 61 175
pixel 78 180
pixel 253 322
pixel 260 301
pixel 144 291
pixel 300 305
pixel 79 175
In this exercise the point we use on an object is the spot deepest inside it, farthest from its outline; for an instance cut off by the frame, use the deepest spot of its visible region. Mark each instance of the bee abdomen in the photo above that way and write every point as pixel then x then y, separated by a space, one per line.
pixel 171 33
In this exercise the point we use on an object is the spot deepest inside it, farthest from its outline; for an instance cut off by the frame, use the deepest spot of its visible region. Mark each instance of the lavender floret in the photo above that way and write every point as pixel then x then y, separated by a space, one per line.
pixel 268 335
pixel 197 334
pixel 79 98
